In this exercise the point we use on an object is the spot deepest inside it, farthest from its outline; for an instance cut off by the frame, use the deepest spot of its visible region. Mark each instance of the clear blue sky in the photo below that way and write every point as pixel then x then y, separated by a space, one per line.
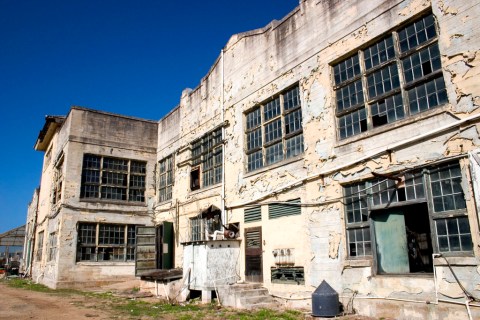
pixel 127 57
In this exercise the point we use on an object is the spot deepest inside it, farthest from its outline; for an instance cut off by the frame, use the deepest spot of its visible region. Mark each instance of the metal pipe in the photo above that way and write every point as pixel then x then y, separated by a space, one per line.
pixel 390 148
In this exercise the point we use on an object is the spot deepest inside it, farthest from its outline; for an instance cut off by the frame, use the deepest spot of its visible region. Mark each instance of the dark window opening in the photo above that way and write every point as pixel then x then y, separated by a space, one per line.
pixel 195 179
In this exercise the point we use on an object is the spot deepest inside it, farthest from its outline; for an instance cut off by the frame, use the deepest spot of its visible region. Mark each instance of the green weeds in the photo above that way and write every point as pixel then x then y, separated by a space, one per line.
pixel 140 309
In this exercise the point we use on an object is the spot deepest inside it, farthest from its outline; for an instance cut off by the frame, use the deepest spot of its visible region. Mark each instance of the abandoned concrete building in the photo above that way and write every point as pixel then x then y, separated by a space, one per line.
pixel 339 144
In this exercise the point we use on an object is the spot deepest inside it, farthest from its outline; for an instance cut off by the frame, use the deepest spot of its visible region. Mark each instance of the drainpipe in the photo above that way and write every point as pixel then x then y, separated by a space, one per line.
pixel 222 97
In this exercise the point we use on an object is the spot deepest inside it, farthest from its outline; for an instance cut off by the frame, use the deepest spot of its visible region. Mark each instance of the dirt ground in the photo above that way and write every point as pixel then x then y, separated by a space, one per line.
pixel 18 303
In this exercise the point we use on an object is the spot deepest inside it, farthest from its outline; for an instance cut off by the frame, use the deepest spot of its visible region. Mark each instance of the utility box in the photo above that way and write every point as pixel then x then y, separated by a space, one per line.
pixel 325 301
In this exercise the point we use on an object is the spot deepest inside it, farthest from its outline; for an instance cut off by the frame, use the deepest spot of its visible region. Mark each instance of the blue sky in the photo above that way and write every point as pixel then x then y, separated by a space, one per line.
pixel 127 57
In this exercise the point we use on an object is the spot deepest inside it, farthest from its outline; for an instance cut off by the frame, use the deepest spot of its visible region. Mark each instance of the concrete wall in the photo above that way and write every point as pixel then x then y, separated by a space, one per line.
pixel 256 65
pixel 87 131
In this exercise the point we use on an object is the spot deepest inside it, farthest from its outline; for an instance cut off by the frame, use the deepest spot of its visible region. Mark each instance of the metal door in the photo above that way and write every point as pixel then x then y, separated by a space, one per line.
pixel 253 255
pixel 391 242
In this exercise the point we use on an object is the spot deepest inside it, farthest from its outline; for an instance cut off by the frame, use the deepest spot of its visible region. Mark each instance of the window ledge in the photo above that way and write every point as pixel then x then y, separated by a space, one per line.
pixel 113 202
pixel 457 261
pixel 105 263
pixel 205 189
pixel 392 126
pixel 360 263
pixel 274 166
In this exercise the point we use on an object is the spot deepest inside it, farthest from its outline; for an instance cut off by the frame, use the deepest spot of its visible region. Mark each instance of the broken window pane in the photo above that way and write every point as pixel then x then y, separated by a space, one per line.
pixel 383 88
pixel 113 242
pixel 107 178
pixel 446 186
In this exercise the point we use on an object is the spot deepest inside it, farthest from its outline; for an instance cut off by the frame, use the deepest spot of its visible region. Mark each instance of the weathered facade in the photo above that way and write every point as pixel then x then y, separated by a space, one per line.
pixel 340 144
pixel 93 193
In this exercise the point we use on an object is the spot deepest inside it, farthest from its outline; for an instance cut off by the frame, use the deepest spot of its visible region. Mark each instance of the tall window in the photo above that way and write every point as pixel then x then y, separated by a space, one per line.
pixel 207 160
pixel 52 246
pixel 396 77
pixel 40 237
pixel 274 130
pixel 165 183
pixel 105 242
pixel 403 213
pixel 57 182
pixel 113 178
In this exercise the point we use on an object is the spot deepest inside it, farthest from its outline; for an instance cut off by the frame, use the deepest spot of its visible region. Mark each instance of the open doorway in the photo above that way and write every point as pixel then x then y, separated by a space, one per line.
pixel 403 239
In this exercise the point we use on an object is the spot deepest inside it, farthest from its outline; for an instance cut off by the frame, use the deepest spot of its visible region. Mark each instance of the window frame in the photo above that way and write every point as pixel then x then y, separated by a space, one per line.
pixel 105 176
pixel 206 168
pixel 40 238
pixel 266 132
pixel 166 178
pixel 52 246
pixel 104 243
pixel 57 182
pixel 433 216
pixel 394 103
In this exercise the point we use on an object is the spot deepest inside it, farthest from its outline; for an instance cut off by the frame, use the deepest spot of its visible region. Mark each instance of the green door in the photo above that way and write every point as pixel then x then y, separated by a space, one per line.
pixel 166 247
pixel 391 242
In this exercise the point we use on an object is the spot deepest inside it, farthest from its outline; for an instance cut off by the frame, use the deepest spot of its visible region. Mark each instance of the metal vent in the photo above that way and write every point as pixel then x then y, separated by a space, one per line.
pixel 253 214
pixel 292 207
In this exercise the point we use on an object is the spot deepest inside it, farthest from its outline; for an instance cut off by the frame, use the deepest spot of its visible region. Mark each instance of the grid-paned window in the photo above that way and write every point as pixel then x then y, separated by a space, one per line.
pixel 57 182
pixel 113 178
pixel 358 227
pixel 397 76
pixel 105 242
pixel 429 197
pixel 52 246
pixel 207 160
pixel 40 237
pixel 165 179
pixel 274 130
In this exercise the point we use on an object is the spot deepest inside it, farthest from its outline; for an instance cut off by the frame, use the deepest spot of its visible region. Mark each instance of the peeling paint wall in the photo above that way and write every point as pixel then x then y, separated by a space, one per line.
pixel 258 65
pixel 300 49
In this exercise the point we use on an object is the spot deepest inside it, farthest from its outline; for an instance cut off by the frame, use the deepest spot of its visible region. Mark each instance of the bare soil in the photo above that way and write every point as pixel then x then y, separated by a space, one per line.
pixel 19 303
pixel 16 303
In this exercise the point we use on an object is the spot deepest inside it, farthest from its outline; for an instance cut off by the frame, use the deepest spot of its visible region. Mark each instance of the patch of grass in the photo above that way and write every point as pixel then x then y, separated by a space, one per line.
pixel 28 285
pixel 137 308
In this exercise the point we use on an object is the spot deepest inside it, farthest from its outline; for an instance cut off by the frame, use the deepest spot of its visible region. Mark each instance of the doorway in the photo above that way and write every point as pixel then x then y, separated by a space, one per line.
pixel 403 239
pixel 253 255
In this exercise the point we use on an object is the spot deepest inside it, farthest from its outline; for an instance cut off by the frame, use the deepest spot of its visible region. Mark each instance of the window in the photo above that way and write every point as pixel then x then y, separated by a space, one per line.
pixel 40 245
pixel 113 179
pixel 105 242
pixel 394 78
pixel 289 208
pixel 402 214
pixel 57 182
pixel 274 130
pixel 165 178
pixel 52 246
pixel 207 160
pixel 206 226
